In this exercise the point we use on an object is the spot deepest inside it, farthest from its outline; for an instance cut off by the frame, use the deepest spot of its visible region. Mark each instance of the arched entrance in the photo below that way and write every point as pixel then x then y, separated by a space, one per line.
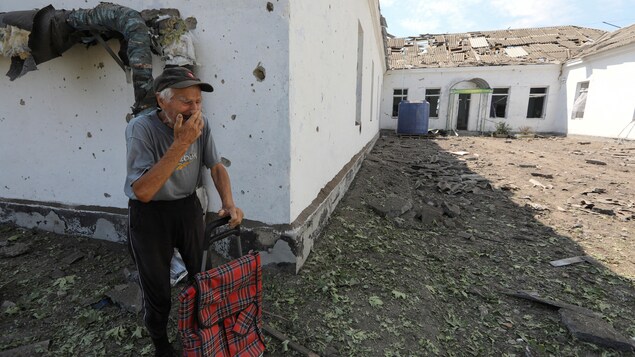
pixel 463 95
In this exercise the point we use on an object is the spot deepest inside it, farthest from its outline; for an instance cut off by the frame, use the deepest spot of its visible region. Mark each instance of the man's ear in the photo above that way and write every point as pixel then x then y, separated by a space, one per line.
pixel 160 101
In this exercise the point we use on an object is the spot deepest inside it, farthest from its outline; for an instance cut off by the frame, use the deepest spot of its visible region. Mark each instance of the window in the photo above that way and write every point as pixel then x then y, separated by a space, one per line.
pixel 580 101
pixel 537 100
pixel 397 96
pixel 498 109
pixel 360 71
pixel 432 97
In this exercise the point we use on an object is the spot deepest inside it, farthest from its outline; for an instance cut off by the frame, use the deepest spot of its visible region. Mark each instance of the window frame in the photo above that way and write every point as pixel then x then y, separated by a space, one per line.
pixel 403 95
pixel 492 111
pixel 438 101
pixel 581 95
pixel 534 97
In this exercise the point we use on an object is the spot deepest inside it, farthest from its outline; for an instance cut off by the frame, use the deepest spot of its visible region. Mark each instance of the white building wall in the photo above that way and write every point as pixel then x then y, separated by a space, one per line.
pixel 322 90
pixel 610 106
pixel 62 127
pixel 519 80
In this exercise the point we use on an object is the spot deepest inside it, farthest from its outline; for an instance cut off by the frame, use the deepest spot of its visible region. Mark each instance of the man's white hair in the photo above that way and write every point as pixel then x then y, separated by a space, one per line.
pixel 166 94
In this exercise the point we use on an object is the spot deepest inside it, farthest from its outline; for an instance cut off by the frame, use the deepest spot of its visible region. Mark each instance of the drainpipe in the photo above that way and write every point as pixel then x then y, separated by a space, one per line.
pixel 107 18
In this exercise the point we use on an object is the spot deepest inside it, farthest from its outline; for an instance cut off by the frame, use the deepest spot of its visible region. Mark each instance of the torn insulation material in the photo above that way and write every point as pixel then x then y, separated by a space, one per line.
pixel 172 38
pixel 14 42
pixel 49 36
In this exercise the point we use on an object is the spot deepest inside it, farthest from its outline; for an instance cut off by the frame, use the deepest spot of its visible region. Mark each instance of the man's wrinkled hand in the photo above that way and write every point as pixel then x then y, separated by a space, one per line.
pixel 234 212
pixel 189 130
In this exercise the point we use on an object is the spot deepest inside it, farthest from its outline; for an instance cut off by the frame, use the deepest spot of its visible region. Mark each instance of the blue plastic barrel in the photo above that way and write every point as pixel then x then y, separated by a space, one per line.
pixel 413 118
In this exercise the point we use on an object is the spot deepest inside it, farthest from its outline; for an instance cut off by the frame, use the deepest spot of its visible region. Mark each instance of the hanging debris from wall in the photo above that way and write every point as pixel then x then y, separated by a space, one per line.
pixel 48 36
pixel 116 21
pixel 171 36
pixel 36 36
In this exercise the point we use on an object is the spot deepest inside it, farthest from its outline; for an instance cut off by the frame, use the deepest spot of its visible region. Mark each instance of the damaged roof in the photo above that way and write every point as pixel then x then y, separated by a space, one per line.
pixel 486 48
pixel 610 40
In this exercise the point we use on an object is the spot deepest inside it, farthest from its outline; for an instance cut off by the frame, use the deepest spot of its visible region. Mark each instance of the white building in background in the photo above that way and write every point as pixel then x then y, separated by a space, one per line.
pixel 295 108
pixel 526 78
pixel 600 99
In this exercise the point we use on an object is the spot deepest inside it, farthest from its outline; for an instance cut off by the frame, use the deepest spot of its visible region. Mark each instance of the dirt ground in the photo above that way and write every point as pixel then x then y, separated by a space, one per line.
pixel 438 248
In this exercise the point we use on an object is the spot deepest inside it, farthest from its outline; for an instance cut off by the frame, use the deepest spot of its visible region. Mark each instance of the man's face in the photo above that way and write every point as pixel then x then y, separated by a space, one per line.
pixel 185 101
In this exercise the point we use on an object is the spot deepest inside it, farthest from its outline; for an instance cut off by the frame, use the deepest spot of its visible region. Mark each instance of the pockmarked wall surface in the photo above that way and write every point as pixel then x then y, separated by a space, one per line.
pixel 328 40
pixel 295 108
pixel 62 126
pixel 517 79
pixel 610 105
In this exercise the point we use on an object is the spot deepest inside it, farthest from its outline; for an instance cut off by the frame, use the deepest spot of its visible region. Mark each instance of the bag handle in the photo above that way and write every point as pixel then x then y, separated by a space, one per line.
pixel 209 238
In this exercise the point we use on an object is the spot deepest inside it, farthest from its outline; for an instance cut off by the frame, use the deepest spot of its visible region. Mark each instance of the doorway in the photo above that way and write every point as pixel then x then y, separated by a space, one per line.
pixel 464 111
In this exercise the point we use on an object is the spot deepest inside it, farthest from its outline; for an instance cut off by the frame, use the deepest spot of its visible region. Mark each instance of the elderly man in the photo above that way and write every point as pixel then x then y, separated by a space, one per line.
pixel 166 151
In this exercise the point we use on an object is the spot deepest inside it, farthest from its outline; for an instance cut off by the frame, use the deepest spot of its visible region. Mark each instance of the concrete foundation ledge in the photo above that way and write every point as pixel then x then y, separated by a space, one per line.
pixel 96 222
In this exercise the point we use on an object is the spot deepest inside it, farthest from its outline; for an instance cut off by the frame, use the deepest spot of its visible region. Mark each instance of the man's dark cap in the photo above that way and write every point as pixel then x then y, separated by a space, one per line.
pixel 179 77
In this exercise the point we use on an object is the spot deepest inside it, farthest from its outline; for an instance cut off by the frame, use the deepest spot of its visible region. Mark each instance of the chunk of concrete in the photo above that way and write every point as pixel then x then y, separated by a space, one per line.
pixel 451 210
pixel 594 330
pixel 14 250
pixel 390 207
pixel 127 296
pixel 428 214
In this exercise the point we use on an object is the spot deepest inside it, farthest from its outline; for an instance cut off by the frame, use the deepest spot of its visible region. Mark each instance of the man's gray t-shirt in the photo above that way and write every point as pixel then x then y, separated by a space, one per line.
pixel 147 140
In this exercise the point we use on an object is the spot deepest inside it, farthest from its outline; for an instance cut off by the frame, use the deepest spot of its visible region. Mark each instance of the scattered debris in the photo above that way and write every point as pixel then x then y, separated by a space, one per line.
pixel 34 349
pixel 595 190
pixel 567 261
pixel 594 330
pixel 127 296
pixel 509 187
pixel 536 206
pixel 6 305
pixel 537 183
pixel 428 215
pixel 72 258
pixel 450 210
pixel 287 341
pixel 101 303
pixel 595 162
pixel 14 250
pixel 534 296
pixel 390 207
pixel 131 276
pixel 538 174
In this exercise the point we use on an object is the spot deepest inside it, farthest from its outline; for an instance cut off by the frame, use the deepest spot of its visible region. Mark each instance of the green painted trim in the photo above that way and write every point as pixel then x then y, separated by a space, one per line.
pixel 471 91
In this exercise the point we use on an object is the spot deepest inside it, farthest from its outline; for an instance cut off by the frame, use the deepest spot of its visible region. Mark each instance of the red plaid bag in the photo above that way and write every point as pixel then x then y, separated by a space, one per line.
pixel 220 315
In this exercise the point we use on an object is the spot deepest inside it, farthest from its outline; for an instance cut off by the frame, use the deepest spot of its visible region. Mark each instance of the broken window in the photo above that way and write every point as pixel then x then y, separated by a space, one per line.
pixel 432 97
pixel 398 96
pixel 498 109
pixel 580 101
pixel 537 101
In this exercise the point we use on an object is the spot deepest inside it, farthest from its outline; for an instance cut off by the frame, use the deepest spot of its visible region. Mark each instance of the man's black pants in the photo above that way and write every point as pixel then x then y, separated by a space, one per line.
pixel 154 230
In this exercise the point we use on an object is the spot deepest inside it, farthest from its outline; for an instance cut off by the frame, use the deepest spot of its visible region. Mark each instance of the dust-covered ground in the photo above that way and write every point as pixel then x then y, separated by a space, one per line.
pixel 441 247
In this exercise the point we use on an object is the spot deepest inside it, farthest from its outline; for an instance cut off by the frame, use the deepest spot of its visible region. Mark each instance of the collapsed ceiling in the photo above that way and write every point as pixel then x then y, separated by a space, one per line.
pixel 503 47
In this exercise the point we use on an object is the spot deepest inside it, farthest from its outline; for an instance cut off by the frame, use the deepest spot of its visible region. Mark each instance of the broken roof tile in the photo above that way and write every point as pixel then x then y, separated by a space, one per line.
pixel 477 42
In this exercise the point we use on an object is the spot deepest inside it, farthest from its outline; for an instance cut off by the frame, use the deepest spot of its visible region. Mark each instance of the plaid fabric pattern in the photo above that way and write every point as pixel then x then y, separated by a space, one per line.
pixel 221 315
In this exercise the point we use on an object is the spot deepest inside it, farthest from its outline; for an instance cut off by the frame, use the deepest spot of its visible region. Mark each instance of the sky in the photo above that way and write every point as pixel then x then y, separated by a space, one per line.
pixel 414 17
